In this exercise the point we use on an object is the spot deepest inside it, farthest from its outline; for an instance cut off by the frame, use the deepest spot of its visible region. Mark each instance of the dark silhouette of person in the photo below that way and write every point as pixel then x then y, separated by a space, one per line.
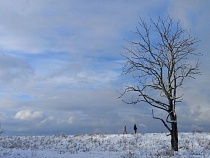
pixel 135 128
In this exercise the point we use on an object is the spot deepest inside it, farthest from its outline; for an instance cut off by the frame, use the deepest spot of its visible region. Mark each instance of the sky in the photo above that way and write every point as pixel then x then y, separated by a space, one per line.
pixel 61 68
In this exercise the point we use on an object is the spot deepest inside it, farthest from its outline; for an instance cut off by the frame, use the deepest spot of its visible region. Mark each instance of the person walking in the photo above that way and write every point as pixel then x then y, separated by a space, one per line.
pixel 135 128
pixel 124 130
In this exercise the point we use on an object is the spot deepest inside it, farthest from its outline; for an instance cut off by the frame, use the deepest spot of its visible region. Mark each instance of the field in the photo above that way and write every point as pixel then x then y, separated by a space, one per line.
pixel 154 145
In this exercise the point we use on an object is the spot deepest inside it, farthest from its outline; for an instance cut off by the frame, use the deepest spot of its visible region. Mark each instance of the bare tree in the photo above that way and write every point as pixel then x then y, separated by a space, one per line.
pixel 159 63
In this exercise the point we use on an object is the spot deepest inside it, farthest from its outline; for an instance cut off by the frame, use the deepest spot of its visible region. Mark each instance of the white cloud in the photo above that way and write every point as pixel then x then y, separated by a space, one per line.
pixel 29 115
pixel 70 119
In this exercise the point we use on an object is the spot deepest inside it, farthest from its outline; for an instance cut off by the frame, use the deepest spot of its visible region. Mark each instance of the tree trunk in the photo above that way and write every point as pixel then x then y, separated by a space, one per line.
pixel 174 136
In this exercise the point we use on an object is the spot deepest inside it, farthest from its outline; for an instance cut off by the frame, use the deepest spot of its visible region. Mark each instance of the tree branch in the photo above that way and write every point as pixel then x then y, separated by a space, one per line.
pixel 161 121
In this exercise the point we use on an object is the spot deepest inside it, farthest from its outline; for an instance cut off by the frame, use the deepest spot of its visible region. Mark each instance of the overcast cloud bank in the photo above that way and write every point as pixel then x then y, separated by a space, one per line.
pixel 60 66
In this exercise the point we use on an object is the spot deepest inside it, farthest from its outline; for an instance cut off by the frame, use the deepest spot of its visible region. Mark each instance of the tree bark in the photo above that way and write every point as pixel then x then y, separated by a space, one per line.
pixel 174 135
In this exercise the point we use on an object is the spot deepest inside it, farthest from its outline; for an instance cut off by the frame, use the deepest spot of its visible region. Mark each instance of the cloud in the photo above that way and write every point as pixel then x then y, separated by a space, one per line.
pixel 29 115
pixel 13 69
pixel 76 27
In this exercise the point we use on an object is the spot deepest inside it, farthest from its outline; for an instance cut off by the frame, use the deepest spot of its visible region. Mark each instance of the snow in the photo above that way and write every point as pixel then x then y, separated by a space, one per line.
pixel 196 145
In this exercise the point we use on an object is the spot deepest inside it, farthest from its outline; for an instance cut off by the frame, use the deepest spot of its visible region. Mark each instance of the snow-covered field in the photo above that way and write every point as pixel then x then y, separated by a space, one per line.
pixel 154 145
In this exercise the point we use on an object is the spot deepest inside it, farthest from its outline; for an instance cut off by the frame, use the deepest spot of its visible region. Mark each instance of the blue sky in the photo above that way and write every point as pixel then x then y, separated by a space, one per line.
pixel 60 66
